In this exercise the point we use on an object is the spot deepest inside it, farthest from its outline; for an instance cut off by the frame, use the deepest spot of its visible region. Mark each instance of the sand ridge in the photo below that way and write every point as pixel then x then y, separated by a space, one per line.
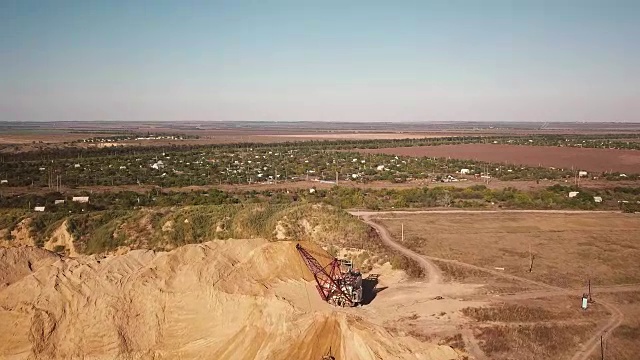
pixel 231 299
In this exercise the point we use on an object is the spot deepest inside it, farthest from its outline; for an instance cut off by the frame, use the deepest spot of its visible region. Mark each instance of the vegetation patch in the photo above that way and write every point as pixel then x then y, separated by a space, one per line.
pixel 9 219
pixel 410 266
pixel 542 341
pixel 511 313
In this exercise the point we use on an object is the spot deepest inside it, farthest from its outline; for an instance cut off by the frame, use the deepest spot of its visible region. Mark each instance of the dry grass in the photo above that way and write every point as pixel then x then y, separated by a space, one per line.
pixel 600 246
pixel 420 335
pixel 410 266
pixel 533 342
pixel 509 313
pixel 493 284
pixel 556 308
pixel 544 328
pixel 455 341
pixel 624 342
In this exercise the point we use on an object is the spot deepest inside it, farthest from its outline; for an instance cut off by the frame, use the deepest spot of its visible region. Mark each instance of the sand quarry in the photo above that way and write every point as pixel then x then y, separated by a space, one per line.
pixel 232 299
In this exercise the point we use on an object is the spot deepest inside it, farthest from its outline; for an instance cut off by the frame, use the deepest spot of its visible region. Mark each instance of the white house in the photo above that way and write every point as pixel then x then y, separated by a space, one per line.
pixel 80 199
pixel 464 171
pixel 58 202
pixel 312 191
pixel 76 165
pixel 39 208
pixel 4 182
pixel 597 199
pixel 582 173
pixel 573 193
pixel 158 165
pixel 380 168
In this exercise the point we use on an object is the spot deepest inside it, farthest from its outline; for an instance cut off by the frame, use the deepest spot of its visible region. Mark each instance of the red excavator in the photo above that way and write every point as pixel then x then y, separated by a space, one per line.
pixel 337 286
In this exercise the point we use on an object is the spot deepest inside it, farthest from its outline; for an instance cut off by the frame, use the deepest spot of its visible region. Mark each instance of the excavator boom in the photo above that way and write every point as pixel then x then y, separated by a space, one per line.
pixel 330 280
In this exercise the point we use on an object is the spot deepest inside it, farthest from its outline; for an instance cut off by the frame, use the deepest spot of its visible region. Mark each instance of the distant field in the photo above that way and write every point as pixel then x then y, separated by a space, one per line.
pixel 545 156
pixel 568 248
pixel 208 137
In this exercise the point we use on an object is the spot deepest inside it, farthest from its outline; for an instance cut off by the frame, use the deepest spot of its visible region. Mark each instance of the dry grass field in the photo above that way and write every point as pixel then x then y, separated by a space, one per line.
pixel 549 328
pixel 568 249
pixel 537 314
pixel 624 341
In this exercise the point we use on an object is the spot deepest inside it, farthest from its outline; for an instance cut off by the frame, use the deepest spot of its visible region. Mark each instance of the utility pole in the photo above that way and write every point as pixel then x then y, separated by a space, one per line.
pixel 590 300
pixel 602 347
pixel 530 259
pixel 402 232
pixel 336 178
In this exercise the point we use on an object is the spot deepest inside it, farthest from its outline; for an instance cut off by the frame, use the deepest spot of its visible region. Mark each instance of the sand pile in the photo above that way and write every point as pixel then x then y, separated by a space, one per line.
pixel 234 299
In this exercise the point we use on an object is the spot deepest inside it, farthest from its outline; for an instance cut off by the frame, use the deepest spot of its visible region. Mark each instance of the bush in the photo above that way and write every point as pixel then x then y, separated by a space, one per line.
pixel 411 267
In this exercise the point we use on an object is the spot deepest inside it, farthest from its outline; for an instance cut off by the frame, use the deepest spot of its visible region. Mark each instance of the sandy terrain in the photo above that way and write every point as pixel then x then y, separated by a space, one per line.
pixel 546 156
pixel 235 299
pixel 246 299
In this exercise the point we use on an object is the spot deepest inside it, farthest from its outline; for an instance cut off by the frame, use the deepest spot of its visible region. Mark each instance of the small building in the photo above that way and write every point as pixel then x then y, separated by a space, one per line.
pixel 573 194
pixel 4 182
pixel 158 165
pixel 39 208
pixel 76 165
pixel 582 173
pixel 58 202
pixel 380 168
pixel 312 191
pixel 464 171
pixel 597 199
pixel 80 199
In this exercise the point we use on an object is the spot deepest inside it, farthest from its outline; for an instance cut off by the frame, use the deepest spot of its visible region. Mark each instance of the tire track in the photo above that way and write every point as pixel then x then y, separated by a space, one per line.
pixel 435 275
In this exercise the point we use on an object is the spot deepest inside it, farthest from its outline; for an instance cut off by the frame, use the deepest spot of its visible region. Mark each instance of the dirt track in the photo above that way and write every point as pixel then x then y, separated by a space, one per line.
pixel 433 272
pixel 435 276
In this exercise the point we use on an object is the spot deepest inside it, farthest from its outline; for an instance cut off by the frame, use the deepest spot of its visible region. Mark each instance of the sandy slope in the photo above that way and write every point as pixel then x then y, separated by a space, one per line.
pixel 234 299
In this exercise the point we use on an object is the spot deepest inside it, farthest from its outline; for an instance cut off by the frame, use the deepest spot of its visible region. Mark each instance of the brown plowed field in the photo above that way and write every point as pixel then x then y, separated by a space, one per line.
pixel 626 161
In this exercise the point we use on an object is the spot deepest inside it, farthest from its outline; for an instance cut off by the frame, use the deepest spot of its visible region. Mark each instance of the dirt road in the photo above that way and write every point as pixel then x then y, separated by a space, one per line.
pixel 433 272
pixel 435 275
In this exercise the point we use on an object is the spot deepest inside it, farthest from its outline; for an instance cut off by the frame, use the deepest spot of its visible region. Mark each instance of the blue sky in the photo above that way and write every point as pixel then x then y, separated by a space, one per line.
pixel 320 61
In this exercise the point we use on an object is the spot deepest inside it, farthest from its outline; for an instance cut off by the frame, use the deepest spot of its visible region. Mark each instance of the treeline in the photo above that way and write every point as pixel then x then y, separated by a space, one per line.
pixel 76 152
pixel 553 197
pixel 616 141
pixel 164 227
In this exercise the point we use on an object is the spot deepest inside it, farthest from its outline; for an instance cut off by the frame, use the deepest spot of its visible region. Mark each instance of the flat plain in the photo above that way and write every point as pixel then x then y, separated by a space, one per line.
pixel 536 314
pixel 568 249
